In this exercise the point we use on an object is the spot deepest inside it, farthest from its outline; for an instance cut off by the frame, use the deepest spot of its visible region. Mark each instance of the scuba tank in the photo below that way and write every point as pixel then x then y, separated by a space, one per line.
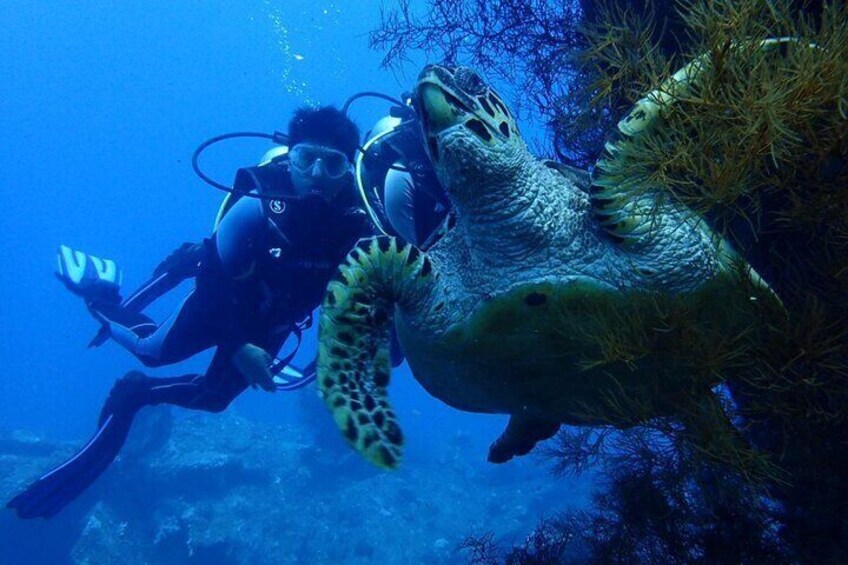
pixel 395 145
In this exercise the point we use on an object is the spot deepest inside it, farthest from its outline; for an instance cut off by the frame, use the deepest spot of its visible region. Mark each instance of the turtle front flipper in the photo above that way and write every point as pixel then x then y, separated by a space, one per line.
pixel 354 351
pixel 522 433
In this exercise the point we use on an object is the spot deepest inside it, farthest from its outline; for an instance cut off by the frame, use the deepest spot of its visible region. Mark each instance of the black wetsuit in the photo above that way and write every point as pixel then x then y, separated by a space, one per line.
pixel 263 271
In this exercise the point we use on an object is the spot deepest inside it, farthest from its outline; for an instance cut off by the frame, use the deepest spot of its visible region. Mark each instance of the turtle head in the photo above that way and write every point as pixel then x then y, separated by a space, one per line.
pixel 469 132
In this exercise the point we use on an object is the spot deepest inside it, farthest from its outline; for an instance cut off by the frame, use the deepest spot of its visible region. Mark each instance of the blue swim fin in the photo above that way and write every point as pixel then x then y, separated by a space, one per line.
pixel 51 493
pixel 88 276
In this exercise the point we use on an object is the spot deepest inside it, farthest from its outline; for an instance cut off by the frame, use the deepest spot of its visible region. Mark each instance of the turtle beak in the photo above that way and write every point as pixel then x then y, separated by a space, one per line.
pixel 439 114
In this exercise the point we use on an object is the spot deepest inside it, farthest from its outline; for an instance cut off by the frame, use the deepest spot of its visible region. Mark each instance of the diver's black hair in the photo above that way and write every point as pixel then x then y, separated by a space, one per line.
pixel 327 126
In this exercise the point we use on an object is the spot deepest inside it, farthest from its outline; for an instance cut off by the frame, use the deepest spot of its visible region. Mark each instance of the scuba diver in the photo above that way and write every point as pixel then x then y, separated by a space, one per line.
pixel 283 229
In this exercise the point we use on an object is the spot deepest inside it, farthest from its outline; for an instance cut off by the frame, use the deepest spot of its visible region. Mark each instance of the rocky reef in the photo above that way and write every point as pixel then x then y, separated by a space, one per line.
pixel 196 488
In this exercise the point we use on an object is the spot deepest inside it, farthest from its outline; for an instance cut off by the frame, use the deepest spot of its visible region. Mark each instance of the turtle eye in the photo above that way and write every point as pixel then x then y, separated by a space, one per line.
pixel 470 82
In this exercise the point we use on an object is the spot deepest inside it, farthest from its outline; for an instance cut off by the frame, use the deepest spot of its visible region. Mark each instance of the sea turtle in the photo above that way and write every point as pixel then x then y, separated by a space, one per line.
pixel 546 299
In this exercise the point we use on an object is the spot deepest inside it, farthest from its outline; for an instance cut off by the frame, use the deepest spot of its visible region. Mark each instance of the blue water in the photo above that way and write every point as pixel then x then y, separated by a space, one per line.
pixel 101 109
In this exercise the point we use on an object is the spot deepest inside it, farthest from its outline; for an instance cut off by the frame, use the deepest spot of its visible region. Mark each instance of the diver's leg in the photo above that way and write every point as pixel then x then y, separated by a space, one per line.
pixel 56 489
pixel 520 436
pixel 215 390
pixel 211 392
pixel 113 314
pixel 187 331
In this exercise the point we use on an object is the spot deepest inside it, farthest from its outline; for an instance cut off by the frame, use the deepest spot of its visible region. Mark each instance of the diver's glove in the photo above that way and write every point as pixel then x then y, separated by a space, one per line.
pixel 255 364
pixel 92 278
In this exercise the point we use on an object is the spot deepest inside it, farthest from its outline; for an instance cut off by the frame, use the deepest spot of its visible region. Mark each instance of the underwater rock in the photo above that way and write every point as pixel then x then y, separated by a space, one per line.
pixel 107 539
pixel 222 489
pixel 23 457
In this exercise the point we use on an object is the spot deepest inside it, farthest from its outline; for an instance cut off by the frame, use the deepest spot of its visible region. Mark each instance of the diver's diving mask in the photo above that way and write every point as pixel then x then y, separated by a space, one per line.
pixel 331 163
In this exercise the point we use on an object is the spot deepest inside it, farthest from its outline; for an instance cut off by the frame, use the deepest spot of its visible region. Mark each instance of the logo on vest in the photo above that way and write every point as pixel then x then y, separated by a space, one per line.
pixel 277 206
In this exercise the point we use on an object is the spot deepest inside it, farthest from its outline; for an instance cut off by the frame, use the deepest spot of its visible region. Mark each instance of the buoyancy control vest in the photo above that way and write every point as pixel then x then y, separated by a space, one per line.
pixel 304 240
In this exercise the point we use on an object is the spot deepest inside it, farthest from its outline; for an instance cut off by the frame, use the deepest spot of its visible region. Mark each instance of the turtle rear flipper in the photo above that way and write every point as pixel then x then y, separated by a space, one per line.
pixel 521 435
pixel 354 351
pixel 619 203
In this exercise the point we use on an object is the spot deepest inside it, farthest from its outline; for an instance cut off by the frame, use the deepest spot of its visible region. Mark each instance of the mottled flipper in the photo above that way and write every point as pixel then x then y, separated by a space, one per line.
pixel 354 353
